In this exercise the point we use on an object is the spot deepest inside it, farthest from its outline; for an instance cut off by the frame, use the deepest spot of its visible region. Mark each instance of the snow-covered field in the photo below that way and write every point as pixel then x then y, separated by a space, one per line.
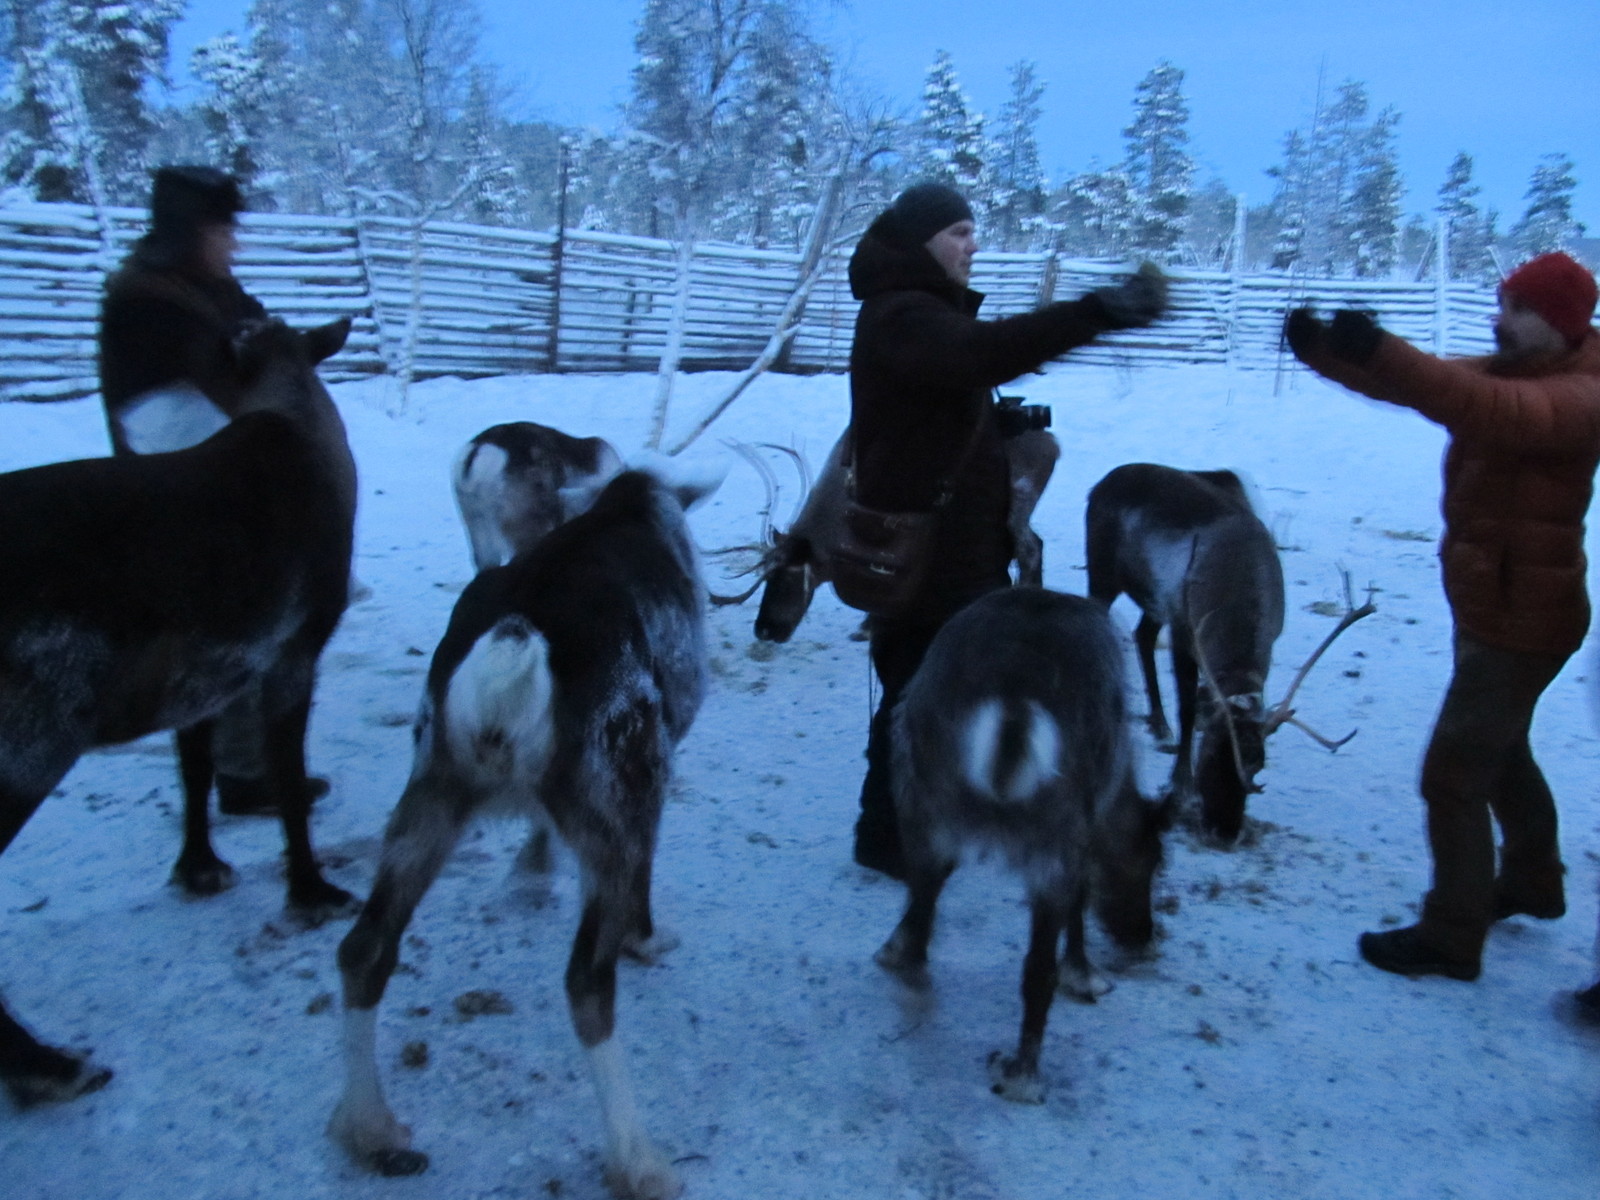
pixel 1253 1056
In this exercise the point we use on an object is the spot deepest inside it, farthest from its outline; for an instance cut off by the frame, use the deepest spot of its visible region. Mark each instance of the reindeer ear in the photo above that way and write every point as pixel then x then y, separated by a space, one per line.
pixel 248 346
pixel 324 341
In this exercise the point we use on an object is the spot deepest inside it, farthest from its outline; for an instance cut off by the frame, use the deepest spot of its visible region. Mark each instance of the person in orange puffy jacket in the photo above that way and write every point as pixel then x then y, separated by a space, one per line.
pixel 1524 427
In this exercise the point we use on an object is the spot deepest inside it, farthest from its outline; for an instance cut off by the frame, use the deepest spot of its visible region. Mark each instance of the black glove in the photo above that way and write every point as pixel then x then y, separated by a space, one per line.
pixel 1135 302
pixel 1304 331
pixel 1354 336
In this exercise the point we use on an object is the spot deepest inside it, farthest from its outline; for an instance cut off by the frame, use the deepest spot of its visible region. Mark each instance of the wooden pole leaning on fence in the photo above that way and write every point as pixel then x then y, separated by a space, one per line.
pixel 552 361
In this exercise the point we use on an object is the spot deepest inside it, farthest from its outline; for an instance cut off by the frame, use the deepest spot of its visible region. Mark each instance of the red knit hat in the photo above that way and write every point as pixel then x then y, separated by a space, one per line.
pixel 1559 289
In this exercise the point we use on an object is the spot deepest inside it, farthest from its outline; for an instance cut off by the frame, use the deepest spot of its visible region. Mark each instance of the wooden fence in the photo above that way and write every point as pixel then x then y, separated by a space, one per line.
pixel 454 299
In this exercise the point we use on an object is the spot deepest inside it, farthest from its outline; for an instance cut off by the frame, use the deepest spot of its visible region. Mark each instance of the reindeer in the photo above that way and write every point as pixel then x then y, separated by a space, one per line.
pixel 1193 555
pixel 561 687
pixel 146 593
pixel 1012 736
pixel 793 562
pixel 510 480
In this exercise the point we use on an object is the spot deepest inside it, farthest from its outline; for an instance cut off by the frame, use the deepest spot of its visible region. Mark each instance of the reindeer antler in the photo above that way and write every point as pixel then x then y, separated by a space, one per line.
pixel 1281 713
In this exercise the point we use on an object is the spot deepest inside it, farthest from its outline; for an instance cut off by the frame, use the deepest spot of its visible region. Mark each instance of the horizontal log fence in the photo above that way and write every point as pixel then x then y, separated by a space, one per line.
pixel 444 298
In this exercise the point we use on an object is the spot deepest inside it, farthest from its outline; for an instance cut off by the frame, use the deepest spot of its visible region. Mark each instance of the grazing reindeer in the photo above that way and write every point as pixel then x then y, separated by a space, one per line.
pixel 562 684
pixel 1013 736
pixel 794 562
pixel 1191 552
pixel 509 482
pixel 145 593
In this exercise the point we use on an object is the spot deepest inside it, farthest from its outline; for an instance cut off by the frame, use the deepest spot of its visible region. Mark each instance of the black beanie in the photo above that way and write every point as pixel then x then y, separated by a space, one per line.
pixel 184 198
pixel 923 209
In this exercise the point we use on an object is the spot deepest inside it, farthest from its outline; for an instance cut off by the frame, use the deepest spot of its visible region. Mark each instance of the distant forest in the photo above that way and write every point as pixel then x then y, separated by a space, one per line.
pixel 739 127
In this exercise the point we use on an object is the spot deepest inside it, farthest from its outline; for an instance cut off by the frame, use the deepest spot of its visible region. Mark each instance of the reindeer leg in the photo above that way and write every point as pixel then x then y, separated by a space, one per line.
pixel 906 951
pixel 1145 638
pixel 1078 978
pixel 198 870
pixel 1017 1077
pixel 635 1169
pixel 1186 671
pixel 425 827
pixel 32 1072
pixel 310 894
pixel 644 942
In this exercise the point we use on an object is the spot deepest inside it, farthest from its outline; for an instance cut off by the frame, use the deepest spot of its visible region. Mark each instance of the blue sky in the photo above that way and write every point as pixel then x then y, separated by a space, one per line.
pixel 1506 82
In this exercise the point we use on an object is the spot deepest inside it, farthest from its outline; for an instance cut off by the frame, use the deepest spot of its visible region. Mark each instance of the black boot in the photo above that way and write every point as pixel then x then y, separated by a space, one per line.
pixel 1542 897
pixel 1406 952
pixel 1588 1002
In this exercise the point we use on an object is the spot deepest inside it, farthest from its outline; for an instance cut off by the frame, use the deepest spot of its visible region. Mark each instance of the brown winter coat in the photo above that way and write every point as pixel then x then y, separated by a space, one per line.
pixel 162 324
pixel 1518 476
pixel 922 373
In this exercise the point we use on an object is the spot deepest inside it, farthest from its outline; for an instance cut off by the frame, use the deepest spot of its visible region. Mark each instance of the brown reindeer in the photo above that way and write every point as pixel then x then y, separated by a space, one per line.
pixel 794 561
pixel 1191 552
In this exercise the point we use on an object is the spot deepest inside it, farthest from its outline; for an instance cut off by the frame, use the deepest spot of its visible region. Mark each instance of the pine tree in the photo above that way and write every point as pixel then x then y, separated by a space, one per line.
pixel 1018 189
pixel 1467 229
pixel 1156 164
pixel 1547 223
pixel 950 142
pixel 78 115
pixel 1374 207
pixel 1097 214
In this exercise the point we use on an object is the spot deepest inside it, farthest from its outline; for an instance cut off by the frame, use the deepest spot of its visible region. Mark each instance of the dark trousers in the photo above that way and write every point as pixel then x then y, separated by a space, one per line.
pixel 897 650
pixel 1479 765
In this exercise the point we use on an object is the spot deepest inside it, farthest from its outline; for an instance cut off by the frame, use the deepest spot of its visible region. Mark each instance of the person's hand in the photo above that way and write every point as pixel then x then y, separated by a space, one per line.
pixel 1135 302
pixel 1354 336
pixel 1304 331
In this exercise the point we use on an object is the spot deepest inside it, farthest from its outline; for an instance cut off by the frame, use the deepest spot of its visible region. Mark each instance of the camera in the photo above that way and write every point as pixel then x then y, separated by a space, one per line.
pixel 1015 417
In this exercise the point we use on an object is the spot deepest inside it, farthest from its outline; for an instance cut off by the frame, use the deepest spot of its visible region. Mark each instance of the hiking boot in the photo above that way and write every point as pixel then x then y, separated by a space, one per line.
pixel 1406 952
pixel 240 797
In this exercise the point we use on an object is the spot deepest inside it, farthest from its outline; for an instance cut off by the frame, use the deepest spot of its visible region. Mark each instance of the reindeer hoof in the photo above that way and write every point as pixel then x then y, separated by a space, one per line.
pixel 652 949
pixel 646 1175
pixel 1011 1080
pixel 48 1076
pixel 1084 986
pixel 393 1164
pixel 317 901
pixel 893 957
pixel 203 876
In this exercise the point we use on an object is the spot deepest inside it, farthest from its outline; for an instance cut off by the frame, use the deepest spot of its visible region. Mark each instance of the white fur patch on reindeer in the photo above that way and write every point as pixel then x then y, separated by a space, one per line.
pixel 980 753
pixel 169 418
pixel 497 706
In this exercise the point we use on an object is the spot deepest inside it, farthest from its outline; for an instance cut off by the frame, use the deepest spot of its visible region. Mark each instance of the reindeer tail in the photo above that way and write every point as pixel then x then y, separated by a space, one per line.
pixel 497 709
pixel 1010 749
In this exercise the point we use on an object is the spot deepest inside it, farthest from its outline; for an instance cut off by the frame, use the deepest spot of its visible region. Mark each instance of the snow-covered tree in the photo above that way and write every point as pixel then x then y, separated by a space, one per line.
pixel 1469 230
pixel 1096 214
pixel 1338 187
pixel 77 107
pixel 496 195
pixel 1547 223
pixel 1373 223
pixel 950 143
pixel 236 111
pixel 1017 184
pixel 1157 165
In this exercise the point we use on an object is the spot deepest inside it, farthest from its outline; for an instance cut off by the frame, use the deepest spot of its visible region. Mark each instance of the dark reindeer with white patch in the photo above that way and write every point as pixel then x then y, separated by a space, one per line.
pixel 562 685
pixel 794 561
pixel 516 482
pixel 1013 737
pixel 1194 556
pixel 145 593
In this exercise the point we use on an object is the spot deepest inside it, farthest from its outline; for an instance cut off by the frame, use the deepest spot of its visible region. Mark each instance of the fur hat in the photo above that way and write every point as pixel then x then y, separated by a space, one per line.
pixel 923 209
pixel 1559 289
pixel 184 198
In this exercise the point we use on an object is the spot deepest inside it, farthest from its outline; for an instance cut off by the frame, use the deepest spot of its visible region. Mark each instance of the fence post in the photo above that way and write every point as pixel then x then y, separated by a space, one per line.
pixel 552 362
pixel 1236 269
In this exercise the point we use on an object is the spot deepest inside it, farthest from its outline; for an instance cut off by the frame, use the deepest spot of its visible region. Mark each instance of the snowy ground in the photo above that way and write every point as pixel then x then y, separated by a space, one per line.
pixel 1254 1056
